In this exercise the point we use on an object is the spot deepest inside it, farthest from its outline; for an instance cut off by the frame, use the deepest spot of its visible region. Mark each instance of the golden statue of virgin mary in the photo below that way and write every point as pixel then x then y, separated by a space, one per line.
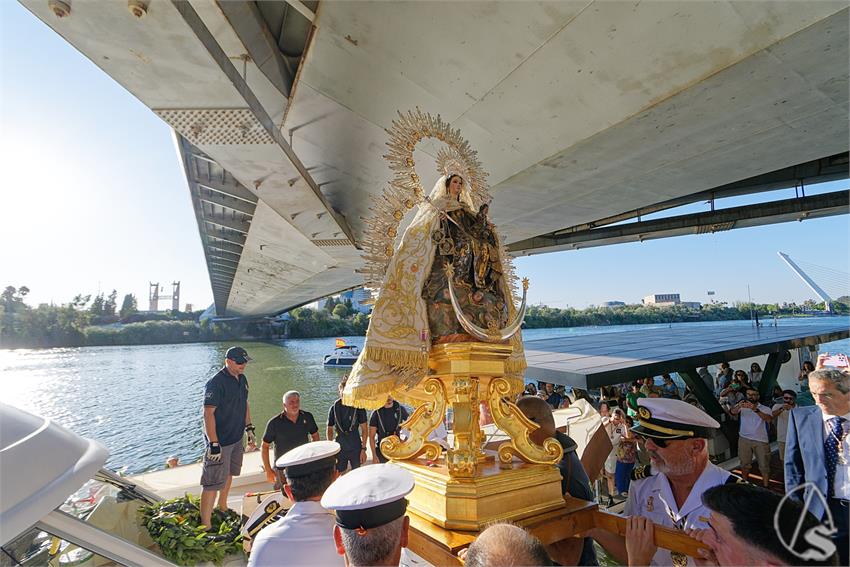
pixel 447 279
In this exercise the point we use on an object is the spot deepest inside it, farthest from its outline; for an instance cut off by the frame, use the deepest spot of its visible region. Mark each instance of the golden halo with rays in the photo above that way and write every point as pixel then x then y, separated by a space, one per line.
pixel 404 191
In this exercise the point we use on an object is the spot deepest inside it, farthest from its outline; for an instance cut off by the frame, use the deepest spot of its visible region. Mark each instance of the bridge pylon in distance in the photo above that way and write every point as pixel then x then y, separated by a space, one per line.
pixel 808 281
pixel 155 294
pixel 153 297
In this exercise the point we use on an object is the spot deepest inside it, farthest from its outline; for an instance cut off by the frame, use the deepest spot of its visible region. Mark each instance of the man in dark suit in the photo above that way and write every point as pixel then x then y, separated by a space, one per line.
pixel 817 451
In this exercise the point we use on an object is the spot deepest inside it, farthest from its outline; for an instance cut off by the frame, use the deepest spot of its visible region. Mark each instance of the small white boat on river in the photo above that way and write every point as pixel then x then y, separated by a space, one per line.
pixel 344 355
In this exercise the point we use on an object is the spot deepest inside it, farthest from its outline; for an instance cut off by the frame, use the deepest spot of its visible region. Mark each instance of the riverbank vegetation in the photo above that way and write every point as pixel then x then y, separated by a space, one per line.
pixel 87 321
pixel 550 317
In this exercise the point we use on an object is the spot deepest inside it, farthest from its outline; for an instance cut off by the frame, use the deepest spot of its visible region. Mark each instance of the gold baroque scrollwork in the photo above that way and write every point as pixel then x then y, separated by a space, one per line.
pixel 420 424
pixel 463 457
pixel 510 419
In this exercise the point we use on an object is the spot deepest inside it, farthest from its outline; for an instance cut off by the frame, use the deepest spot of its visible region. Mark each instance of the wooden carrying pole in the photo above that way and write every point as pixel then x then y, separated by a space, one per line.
pixel 440 546
pixel 671 539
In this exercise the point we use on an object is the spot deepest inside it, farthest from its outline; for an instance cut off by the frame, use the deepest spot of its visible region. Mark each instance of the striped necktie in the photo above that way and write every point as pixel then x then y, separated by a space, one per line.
pixel 835 435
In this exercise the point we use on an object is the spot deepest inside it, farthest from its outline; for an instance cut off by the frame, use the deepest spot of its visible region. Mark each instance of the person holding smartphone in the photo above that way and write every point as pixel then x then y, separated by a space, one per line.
pixel 754 419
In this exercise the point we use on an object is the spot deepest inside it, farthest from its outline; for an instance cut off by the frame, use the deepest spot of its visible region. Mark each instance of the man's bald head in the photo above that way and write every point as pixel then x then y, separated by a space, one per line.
pixel 540 412
pixel 506 544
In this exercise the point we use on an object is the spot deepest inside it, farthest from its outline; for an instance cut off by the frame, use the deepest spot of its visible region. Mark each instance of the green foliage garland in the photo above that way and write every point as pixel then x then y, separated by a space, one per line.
pixel 175 525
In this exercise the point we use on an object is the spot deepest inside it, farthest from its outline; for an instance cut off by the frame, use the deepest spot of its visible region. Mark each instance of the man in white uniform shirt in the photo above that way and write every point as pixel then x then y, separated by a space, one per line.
pixel 676 435
pixel 754 419
pixel 305 535
pixel 817 453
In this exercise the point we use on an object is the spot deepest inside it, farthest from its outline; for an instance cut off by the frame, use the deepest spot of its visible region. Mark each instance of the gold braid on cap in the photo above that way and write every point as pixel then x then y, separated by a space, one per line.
pixel 404 192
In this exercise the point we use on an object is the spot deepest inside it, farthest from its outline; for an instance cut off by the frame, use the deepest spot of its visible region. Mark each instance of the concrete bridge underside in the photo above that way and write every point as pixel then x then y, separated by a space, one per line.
pixel 582 112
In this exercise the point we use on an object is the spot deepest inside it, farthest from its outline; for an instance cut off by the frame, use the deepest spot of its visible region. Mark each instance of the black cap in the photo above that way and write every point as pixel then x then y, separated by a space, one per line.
pixel 238 355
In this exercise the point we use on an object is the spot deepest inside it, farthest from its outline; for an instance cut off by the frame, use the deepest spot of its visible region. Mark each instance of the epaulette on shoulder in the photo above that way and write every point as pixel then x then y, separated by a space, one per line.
pixel 641 472
pixel 735 479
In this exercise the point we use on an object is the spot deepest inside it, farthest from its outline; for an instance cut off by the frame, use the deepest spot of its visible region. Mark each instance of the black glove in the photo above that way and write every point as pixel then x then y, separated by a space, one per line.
pixel 214 452
pixel 252 436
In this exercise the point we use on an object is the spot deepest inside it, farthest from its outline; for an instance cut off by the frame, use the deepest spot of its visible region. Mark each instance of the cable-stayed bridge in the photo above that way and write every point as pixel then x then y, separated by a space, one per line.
pixel 827 283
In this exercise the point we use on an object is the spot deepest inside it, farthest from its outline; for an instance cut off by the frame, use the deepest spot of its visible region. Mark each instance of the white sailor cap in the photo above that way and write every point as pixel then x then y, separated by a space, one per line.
pixel 369 496
pixel 308 458
pixel 664 418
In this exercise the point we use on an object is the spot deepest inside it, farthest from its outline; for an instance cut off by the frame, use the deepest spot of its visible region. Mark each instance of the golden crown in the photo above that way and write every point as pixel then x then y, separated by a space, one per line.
pixel 450 162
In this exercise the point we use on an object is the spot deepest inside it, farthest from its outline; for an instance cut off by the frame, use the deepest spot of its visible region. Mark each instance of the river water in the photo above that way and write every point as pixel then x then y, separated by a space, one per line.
pixel 144 402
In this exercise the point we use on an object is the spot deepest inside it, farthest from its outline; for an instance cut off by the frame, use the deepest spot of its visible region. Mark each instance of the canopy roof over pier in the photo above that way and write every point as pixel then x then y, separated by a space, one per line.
pixel 591 361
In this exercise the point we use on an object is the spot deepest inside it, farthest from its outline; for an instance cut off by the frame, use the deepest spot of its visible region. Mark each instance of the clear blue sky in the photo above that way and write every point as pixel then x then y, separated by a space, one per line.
pixel 95 199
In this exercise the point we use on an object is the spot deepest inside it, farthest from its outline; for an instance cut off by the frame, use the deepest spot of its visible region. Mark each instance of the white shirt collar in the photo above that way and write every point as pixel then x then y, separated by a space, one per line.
pixel 309 507
pixel 826 417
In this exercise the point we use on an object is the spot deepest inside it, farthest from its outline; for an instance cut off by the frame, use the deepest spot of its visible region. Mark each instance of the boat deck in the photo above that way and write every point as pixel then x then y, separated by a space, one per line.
pixel 171 483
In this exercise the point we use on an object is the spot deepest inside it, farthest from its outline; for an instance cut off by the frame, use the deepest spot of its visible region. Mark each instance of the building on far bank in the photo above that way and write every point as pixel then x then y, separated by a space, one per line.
pixel 361 300
pixel 613 304
pixel 662 299
pixel 668 300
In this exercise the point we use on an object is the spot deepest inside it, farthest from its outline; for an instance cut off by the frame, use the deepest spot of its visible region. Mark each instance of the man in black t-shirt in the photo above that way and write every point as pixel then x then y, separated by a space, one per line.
pixel 384 422
pixel 226 418
pixel 287 430
pixel 344 422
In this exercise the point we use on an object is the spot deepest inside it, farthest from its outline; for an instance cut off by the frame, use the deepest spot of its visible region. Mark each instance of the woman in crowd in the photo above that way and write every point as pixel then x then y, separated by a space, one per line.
pixel 668 388
pixel 530 389
pixel 804 375
pixel 611 395
pixel 743 379
pixel 626 457
pixel 737 384
pixel 730 397
pixel 755 374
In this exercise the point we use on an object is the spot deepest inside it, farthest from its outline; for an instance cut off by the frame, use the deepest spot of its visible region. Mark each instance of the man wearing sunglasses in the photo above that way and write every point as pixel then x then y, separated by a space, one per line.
pixel 676 437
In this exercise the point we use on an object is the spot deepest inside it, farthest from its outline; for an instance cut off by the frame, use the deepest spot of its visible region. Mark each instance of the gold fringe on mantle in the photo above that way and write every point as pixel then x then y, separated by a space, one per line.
pixel 397 357
pixel 368 396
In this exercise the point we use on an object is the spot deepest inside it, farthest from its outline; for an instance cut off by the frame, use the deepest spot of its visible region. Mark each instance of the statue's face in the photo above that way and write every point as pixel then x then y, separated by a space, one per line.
pixel 455 186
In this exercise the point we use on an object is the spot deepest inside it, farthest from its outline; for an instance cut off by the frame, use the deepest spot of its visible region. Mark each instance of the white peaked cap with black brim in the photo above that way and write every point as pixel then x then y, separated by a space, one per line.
pixel 664 418
pixel 369 496
pixel 308 458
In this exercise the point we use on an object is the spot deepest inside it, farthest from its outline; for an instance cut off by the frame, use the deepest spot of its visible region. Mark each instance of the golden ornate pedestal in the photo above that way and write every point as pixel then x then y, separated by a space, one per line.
pixel 469 489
